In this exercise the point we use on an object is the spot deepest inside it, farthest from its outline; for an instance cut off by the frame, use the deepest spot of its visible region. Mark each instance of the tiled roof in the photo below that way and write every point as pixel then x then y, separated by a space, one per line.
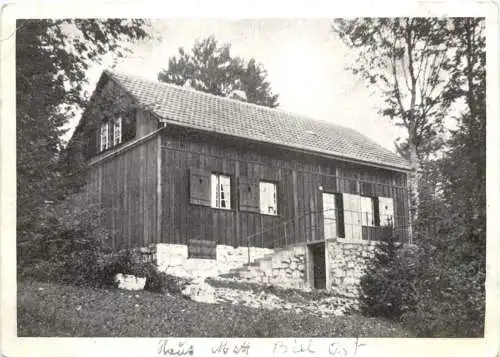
pixel 187 107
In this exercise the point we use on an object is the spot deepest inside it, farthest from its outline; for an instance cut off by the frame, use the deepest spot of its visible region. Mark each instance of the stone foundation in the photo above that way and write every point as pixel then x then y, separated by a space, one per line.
pixel 287 267
pixel 173 259
pixel 346 264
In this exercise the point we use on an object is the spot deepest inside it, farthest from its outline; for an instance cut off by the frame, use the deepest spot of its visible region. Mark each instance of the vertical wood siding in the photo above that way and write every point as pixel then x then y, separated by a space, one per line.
pixel 126 187
pixel 298 177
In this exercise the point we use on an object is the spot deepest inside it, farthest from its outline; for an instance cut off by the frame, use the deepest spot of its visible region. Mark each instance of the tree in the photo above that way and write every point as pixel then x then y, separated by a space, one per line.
pixel 464 163
pixel 451 291
pixel 446 296
pixel 210 68
pixel 407 60
pixel 52 57
pixel 387 285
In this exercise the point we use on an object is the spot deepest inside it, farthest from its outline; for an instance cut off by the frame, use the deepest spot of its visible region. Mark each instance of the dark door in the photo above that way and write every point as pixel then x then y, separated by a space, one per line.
pixel 319 268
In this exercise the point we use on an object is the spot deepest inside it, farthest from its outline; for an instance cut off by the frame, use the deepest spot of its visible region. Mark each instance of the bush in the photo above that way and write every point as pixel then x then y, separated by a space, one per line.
pixel 435 290
pixel 161 283
pixel 67 243
pixel 450 300
pixel 111 264
pixel 387 288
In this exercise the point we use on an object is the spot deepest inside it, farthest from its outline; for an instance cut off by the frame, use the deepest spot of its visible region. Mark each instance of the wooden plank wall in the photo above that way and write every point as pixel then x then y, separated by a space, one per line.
pixel 145 123
pixel 299 197
pixel 126 187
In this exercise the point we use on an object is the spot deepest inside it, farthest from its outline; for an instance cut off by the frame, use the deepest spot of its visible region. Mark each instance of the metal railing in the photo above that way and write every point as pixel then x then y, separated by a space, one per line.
pixel 317 226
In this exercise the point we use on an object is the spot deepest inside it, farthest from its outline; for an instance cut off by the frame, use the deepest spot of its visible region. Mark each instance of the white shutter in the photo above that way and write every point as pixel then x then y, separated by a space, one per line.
pixel 104 136
pixel 214 183
pixel 329 215
pixel 352 216
pixel 117 132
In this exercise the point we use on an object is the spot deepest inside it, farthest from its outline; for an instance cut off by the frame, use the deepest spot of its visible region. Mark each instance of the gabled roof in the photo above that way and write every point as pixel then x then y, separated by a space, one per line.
pixel 187 107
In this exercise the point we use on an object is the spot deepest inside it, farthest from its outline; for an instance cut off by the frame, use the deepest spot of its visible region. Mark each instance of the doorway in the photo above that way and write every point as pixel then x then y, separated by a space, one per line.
pixel 317 254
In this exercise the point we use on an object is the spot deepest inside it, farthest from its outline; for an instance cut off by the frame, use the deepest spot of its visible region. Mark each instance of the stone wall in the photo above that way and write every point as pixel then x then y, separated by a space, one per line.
pixel 346 264
pixel 289 267
pixel 285 268
pixel 173 259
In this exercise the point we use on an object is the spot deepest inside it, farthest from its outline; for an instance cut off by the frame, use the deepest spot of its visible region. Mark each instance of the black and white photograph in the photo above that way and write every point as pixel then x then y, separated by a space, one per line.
pixel 284 178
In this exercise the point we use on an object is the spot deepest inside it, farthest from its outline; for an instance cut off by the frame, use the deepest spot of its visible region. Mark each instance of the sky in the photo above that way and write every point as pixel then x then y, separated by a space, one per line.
pixel 305 61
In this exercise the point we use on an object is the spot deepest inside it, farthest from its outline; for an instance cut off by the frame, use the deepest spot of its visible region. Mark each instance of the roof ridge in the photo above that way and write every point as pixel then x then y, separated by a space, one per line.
pixel 262 123
pixel 230 100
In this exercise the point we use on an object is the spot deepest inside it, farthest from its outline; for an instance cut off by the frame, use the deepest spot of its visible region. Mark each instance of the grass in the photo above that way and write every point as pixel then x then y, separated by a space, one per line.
pixel 48 310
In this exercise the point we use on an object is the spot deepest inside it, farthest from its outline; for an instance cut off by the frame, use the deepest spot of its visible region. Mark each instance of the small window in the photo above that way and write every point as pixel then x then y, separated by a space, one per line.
pixel 368 211
pixel 221 191
pixel 117 131
pixel 104 136
pixel 268 199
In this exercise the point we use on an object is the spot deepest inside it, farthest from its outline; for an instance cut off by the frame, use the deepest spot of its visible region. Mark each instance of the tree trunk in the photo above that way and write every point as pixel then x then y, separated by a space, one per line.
pixel 414 184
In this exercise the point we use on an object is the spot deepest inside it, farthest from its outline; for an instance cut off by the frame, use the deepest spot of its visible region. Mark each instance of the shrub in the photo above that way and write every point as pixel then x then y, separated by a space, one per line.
pixel 162 283
pixel 67 241
pixel 450 300
pixel 111 264
pixel 436 290
pixel 387 288
pixel 67 245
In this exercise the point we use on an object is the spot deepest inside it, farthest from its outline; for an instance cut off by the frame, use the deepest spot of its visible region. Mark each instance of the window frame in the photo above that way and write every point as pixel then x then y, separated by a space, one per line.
pixel 108 130
pixel 375 214
pixel 275 185
pixel 215 200
pixel 392 215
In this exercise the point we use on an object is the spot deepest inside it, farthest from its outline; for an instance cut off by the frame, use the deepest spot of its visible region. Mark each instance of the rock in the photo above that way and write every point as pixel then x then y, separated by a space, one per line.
pixel 129 282
pixel 200 291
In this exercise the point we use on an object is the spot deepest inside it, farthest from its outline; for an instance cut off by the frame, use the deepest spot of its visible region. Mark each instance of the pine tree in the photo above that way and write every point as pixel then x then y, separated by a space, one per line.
pixel 386 287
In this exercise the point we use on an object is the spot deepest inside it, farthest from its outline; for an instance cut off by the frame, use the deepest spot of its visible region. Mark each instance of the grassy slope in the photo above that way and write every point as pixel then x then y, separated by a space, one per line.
pixel 63 310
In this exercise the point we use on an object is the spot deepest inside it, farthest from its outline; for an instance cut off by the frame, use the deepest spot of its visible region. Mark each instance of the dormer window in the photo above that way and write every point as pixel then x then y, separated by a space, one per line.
pixel 111 134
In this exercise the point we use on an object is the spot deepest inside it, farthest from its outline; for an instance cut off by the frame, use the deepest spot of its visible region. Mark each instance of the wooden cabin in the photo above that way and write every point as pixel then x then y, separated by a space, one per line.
pixel 171 165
